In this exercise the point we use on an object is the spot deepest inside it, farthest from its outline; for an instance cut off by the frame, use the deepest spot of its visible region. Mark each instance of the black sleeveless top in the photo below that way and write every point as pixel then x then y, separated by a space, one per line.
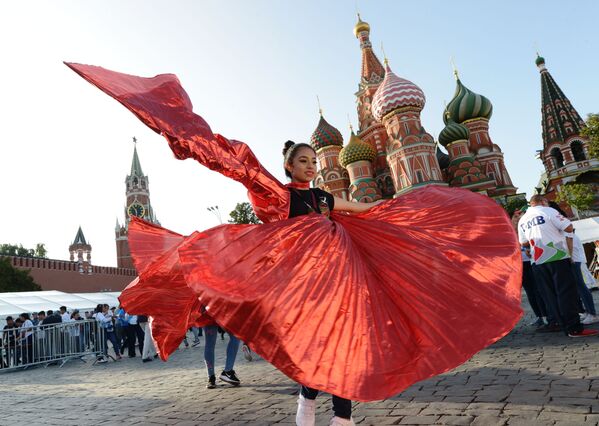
pixel 305 201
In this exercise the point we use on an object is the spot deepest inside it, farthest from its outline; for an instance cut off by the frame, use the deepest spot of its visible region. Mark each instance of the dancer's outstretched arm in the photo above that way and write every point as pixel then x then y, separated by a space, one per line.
pixel 163 105
pixel 354 207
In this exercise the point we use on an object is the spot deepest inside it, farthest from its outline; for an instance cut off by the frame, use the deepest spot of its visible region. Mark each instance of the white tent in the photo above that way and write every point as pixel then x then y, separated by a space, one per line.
pixel 587 229
pixel 34 301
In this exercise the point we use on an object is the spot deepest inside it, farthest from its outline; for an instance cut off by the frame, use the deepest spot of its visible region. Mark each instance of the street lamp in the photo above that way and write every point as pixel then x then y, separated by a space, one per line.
pixel 216 211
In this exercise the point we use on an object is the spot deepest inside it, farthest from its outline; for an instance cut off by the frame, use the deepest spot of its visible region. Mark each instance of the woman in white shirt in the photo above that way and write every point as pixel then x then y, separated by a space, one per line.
pixel 26 338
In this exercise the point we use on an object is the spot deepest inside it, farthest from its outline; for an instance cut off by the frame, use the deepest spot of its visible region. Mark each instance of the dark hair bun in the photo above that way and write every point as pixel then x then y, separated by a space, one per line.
pixel 288 145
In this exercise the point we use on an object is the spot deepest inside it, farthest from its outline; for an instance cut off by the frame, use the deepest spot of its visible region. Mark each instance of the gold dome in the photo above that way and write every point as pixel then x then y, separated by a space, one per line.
pixel 361 26
pixel 356 150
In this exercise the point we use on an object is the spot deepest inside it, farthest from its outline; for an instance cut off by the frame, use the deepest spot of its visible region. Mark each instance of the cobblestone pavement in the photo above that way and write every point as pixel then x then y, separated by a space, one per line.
pixel 525 379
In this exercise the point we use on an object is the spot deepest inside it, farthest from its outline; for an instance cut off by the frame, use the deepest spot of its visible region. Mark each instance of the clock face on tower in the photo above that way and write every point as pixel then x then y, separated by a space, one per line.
pixel 136 209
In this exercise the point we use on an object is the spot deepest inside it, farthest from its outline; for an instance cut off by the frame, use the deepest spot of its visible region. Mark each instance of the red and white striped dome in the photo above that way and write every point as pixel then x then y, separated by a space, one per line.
pixel 396 92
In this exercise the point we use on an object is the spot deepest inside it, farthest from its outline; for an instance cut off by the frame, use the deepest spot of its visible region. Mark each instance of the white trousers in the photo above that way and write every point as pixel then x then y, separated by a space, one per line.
pixel 149 350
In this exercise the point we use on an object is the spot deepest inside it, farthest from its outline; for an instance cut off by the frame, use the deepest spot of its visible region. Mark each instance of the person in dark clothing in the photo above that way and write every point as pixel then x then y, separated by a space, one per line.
pixel 9 339
pixel 52 318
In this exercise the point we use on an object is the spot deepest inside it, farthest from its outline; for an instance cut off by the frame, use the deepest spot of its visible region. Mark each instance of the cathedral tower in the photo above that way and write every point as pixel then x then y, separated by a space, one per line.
pixel 474 111
pixel 464 170
pixel 327 142
pixel 137 204
pixel 565 152
pixel 358 158
pixel 370 130
pixel 411 151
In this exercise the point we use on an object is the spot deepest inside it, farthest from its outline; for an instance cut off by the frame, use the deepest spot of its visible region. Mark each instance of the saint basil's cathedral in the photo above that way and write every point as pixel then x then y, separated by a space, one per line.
pixel 392 153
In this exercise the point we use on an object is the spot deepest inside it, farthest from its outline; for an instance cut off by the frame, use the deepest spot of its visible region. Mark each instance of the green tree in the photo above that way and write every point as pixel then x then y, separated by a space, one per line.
pixel 577 195
pixel 19 250
pixel 591 131
pixel 243 213
pixel 40 250
pixel 514 204
pixel 13 279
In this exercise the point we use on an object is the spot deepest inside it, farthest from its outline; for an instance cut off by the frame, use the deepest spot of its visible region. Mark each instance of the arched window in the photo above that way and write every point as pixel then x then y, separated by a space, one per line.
pixel 577 151
pixel 558 157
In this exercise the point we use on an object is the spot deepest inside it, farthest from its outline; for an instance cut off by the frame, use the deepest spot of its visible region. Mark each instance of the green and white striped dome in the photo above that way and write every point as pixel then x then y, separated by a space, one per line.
pixel 453 132
pixel 467 105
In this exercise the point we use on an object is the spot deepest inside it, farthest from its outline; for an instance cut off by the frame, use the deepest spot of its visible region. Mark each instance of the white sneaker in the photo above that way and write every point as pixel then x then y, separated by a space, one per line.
pixel 339 421
pixel 590 319
pixel 306 412
pixel 247 353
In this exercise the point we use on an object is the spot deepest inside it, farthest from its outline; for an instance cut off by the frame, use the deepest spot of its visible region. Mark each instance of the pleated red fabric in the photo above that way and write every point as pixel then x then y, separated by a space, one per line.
pixel 361 306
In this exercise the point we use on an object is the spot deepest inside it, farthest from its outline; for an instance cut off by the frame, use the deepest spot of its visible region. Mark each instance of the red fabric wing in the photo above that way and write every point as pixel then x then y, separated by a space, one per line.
pixel 163 105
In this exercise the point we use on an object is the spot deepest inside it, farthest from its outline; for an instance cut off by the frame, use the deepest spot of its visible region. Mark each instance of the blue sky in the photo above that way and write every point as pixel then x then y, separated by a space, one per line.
pixel 253 70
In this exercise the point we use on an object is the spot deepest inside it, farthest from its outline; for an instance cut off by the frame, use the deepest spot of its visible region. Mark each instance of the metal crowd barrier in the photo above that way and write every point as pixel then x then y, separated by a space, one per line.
pixel 45 345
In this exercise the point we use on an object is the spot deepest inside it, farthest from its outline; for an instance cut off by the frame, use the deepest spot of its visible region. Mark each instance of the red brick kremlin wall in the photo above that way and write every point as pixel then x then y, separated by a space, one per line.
pixel 63 275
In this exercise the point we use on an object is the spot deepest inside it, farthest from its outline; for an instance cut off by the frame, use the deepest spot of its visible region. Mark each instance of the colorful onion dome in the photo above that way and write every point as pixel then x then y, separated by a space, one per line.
pixel 453 132
pixel 325 135
pixel 540 60
pixel 395 92
pixel 361 26
pixel 356 150
pixel 467 105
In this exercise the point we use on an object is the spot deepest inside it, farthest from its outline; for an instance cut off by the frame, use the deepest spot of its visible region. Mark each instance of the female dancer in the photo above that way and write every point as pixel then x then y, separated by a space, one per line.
pixel 358 305
pixel 300 167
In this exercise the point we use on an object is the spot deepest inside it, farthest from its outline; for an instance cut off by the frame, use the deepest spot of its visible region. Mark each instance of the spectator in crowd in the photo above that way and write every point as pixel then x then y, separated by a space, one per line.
pixel 121 326
pixel 228 375
pixel 104 318
pixel 40 335
pixel 76 335
pixel 26 338
pixel 52 318
pixel 9 340
pixel 549 235
pixel 134 332
pixel 65 316
pixel 18 343
pixel 35 318
pixel 580 261
pixel 197 332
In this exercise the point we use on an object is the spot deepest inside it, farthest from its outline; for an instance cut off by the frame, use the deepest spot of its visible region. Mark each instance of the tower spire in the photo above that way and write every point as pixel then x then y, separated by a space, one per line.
pixel 135 164
pixel 454 67
pixel 79 238
pixel 560 120
pixel 372 70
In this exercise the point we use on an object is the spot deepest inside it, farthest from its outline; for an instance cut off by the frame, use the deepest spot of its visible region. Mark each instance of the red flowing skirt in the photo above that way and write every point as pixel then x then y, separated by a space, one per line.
pixel 361 306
